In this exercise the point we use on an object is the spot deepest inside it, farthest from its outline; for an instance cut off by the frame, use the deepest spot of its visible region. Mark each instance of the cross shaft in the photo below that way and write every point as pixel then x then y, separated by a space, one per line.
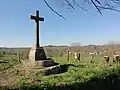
pixel 37 19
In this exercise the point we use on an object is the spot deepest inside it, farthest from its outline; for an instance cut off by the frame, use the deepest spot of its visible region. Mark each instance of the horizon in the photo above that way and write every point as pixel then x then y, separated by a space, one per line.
pixel 56 45
pixel 17 30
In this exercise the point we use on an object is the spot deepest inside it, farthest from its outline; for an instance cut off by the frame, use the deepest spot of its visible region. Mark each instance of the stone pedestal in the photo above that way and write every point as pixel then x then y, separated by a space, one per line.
pixel 37 54
pixel 39 62
pixel 38 58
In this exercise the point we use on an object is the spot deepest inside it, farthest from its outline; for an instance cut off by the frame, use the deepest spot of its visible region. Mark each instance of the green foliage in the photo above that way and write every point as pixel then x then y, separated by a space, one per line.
pixel 8 61
pixel 78 73
pixel 75 74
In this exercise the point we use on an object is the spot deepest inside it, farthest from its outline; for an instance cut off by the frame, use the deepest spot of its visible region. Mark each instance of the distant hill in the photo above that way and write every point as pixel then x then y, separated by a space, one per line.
pixel 75 44
pixel 52 51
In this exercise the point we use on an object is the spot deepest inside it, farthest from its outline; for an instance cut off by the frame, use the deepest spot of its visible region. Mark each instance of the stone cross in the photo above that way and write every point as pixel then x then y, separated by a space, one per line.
pixel 37 19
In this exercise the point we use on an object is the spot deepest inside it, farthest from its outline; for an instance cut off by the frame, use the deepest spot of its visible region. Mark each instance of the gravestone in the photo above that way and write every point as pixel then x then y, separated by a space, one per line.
pixel 75 55
pixel 37 54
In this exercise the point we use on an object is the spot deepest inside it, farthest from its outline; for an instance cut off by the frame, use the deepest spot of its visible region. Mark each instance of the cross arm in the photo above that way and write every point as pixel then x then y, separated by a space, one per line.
pixel 37 18
pixel 32 17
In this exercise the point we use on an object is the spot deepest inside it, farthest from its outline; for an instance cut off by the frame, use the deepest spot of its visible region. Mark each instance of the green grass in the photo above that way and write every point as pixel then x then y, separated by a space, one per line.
pixel 10 61
pixel 76 73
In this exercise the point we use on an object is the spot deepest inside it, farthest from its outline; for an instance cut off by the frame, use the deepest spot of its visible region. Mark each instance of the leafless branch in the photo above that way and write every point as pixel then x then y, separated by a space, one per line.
pixel 69 4
pixel 98 4
pixel 54 10
pixel 96 7
pixel 79 6
pixel 109 8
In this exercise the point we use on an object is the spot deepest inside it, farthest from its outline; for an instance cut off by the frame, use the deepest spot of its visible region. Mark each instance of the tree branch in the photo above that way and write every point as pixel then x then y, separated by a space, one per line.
pixel 98 4
pixel 70 4
pixel 79 6
pixel 109 8
pixel 54 10
pixel 96 7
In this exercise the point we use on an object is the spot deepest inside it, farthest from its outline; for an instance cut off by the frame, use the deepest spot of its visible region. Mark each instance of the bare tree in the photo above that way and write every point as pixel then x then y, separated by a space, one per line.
pixel 98 4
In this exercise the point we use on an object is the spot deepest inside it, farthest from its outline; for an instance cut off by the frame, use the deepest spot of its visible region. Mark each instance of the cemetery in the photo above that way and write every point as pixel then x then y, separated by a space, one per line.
pixel 59 67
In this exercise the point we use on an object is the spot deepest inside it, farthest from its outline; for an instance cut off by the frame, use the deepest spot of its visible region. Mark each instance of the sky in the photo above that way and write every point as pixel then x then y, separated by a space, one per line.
pixel 18 30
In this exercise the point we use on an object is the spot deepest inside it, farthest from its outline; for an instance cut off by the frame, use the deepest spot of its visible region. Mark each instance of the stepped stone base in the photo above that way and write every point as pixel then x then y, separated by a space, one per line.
pixel 43 63
pixel 28 68
pixel 38 63
pixel 48 70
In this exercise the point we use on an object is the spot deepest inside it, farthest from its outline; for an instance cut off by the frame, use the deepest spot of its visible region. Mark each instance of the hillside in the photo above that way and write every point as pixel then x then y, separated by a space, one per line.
pixel 52 51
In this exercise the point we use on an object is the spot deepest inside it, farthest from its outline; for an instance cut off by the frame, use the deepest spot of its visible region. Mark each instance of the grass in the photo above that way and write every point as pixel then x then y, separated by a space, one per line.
pixel 76 75
pixel 9 60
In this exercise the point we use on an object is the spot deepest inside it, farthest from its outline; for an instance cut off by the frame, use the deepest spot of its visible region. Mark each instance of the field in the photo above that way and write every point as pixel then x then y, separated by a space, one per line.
pixel 75 75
